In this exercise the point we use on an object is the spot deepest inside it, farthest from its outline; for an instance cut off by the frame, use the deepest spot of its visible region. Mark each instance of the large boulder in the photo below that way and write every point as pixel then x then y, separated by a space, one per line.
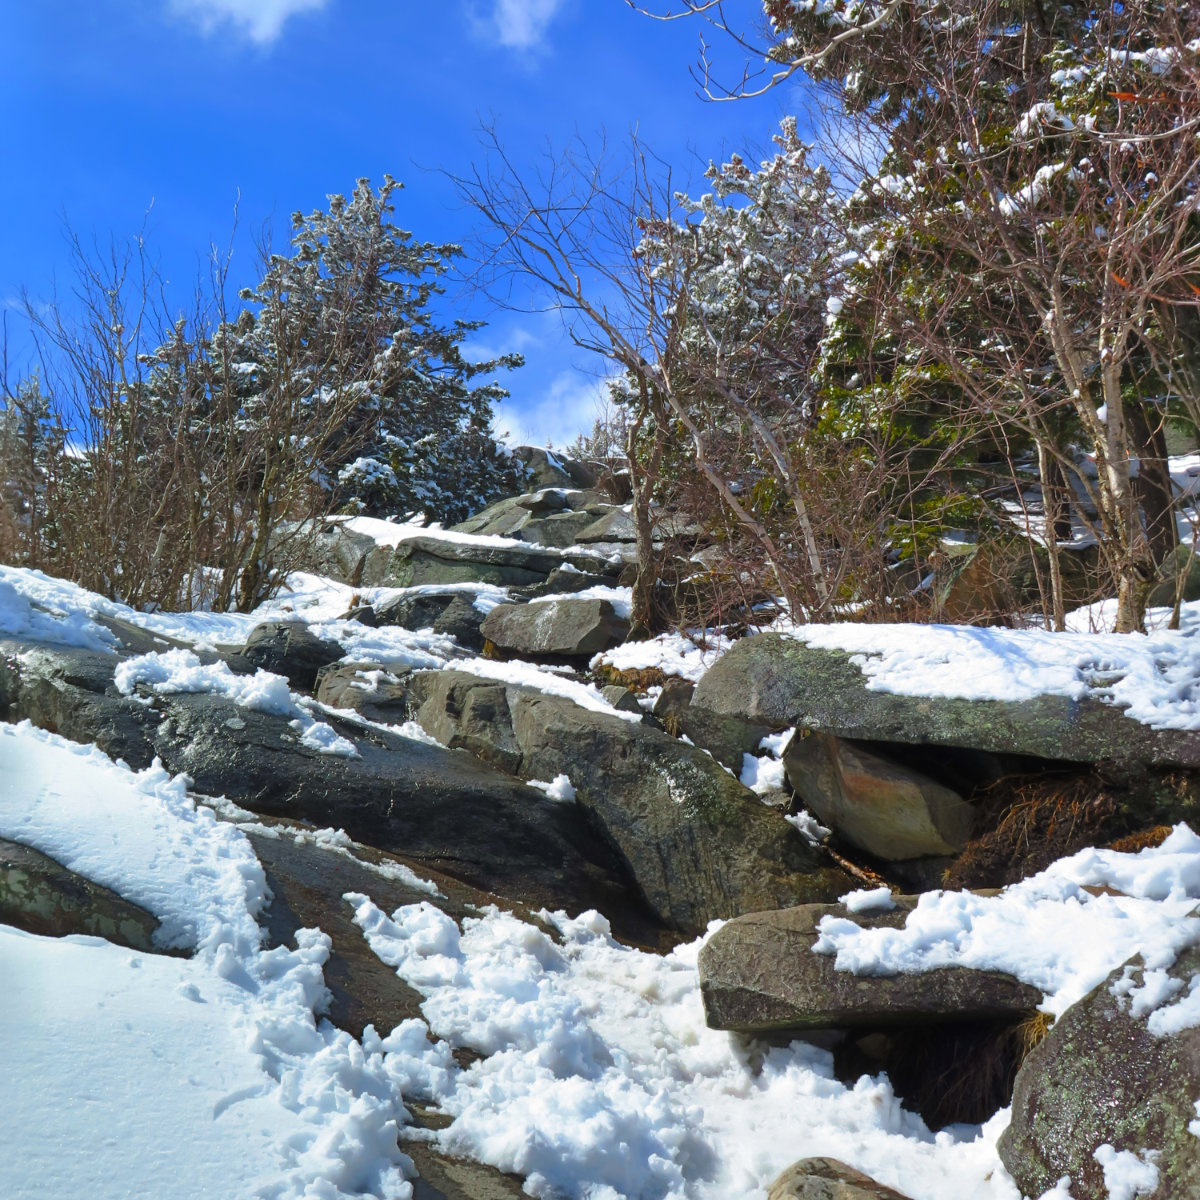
pixel 42 896
pixel 698 844
pixel 439 807
pixel 780 681
pixel 545 469
pixel 550 517
pixel 891 811
pixel 573 627
pixel 759 973
pixel 449 612
pixel 1101 1077
pixel 290 649
pixel 828 1179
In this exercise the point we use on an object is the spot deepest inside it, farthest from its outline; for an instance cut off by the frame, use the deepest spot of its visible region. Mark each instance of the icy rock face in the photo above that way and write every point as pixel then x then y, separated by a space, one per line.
pixel 573 627
pixel 828 1179
pixel 699 845
pixel 758 973
pixel 1119 1069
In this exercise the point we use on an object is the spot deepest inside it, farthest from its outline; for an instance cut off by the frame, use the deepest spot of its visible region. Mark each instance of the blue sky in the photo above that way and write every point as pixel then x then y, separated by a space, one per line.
pixel 115 109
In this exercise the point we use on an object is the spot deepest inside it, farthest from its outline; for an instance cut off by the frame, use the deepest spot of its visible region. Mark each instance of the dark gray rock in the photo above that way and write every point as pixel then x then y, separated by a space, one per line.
pixel 779 681
pixel 449 612
pixel 828 1179
pixel 888 810
pixel 462 621
pixel 621 698
pixel 573 627
pixel 727 738
pixel 42 896
pixel 289 649
pixel 441 808
pixel 1101 1077
pixel 562 582
pixel 698 844
pixel 364 614
pixel 759 974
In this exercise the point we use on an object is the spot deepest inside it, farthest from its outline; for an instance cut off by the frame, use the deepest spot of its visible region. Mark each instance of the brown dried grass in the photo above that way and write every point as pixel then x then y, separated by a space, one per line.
pixel 1024 823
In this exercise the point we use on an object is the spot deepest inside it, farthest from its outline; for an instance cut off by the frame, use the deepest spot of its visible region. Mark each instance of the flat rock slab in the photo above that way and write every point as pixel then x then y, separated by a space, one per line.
pixel 779 681
pixel 828 1179
pixel 759 974
pixel 42 896
pixel 436 806
pixel 1102 1077
pixel 423 560
pixel 573 627
pixel 889 810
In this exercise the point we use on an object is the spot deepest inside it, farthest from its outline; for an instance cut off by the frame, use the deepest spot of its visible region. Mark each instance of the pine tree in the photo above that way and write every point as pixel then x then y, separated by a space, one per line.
pixel 350 312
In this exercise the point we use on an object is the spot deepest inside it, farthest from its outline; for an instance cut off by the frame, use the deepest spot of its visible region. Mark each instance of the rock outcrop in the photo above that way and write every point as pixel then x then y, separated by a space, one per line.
pixel 439 808
pixel 759 973
pixel 42 896
pixel 780 681
pixel 290 649
pixel 698 843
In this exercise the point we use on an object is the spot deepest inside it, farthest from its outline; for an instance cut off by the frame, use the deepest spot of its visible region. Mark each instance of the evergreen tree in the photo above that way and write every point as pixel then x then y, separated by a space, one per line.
pixel 350 312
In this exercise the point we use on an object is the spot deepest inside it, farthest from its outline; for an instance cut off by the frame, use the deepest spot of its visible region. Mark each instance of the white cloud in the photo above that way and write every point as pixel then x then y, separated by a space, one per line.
pixel 261 21
pixel 518 24
pixel 570 407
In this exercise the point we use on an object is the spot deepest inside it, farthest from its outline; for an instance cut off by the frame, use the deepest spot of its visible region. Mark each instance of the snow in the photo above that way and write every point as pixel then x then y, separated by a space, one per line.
pixel 595 1046
pixel 183 1079
pixel 621 598
pixel 1127 1175
pixel 394 533
pixel 559 788
pixel 808 826
pixel 528 675
pixel 1154 678
pixel 765 773
pixel 869 900
pixel 671 653
pixel 173 671
pixel 1057 931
